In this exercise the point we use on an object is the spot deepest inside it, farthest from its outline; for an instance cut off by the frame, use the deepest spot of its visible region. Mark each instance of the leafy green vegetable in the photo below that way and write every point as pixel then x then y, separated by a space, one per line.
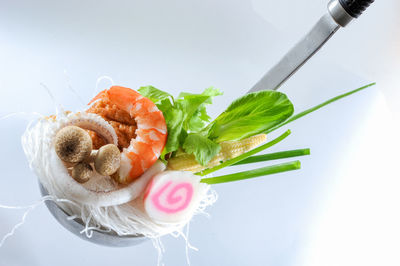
pixel 211 92
pixel 189 124
pixel 194 108
pixel 250 115
pixel 174 119
pixel 164 105
pixel 155 95
pixel 201 147
pixel 186 116
pixel 199 119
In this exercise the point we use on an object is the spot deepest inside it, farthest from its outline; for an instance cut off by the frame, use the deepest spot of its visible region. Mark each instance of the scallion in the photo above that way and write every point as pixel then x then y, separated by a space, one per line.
pixel 268 170
pixel 274 156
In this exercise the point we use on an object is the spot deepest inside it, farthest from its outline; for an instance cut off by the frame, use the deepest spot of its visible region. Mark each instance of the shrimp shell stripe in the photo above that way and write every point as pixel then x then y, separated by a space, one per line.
pixel 151 133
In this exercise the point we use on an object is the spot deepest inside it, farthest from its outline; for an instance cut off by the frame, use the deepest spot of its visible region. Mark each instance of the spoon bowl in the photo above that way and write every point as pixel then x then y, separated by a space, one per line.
pixel 75 226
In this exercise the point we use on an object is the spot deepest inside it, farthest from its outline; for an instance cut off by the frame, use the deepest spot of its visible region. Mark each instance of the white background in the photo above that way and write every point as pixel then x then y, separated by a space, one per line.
pixel 341 208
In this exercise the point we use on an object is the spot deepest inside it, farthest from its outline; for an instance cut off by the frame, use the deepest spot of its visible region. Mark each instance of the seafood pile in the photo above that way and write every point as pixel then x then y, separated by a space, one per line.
pixel 139 162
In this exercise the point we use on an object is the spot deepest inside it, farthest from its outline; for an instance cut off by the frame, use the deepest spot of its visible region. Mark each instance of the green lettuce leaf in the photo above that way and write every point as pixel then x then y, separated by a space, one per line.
pixel 184 116
pixel 201 147
pixel 194 108
pixel 211 92
pixel 173 118
pixel 199 120
pixel 155 95
pixel 189 105
pixel 250 115
pixel 164 105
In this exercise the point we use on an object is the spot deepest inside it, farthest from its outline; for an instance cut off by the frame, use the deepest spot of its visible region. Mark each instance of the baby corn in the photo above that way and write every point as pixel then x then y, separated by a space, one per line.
pixel 229 150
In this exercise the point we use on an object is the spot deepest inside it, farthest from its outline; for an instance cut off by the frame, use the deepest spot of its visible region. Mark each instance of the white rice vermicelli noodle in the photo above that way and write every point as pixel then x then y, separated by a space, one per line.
pixel 100 203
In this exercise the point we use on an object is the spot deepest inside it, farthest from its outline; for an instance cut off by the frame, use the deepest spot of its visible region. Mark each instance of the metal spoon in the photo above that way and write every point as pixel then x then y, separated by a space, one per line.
pixel 340 13
pixel 75 226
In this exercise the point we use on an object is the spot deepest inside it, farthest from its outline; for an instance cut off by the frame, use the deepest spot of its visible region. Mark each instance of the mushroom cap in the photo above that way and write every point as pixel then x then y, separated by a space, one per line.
pixel 82 172
pixel 73 144
pixel 108 160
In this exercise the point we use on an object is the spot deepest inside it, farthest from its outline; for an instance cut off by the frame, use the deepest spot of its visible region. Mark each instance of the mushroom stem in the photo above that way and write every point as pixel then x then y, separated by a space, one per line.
pixel 92 156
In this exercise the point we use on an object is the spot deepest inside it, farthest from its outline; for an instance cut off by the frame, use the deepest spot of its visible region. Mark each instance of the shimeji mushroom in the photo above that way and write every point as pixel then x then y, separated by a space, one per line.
pixel 82 172
pixel 74 145
pixel 107 159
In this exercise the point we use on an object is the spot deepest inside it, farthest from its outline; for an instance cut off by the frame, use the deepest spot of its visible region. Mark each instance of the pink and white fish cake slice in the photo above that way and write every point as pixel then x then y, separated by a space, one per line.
pixel 174 196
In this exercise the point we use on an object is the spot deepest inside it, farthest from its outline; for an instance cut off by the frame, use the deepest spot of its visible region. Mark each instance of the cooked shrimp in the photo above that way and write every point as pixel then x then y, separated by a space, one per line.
pixel 151 132
pixel 123 124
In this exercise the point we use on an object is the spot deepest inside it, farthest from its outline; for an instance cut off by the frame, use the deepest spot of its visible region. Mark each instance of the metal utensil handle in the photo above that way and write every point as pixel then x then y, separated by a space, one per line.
pixel 340 13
